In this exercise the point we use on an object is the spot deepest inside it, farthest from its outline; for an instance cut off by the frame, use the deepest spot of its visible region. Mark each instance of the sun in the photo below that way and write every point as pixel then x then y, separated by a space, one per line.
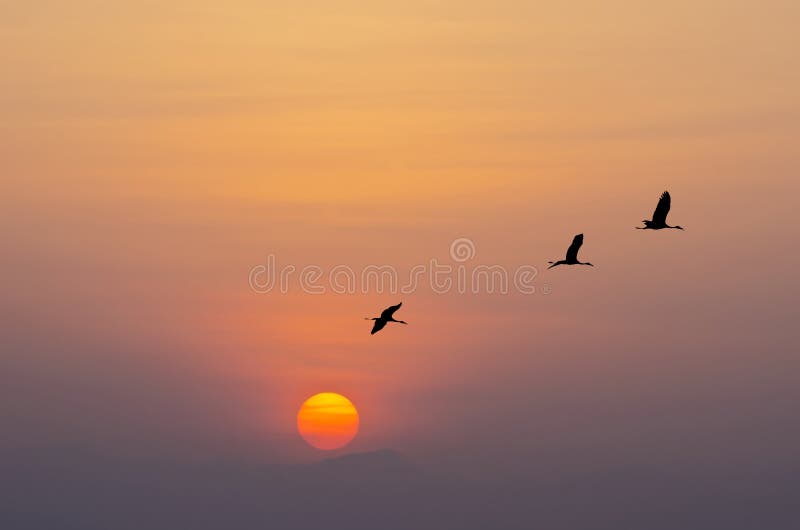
pixel 327 421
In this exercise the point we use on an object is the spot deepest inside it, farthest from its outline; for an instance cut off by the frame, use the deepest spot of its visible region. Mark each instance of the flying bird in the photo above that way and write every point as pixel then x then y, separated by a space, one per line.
pixel 572 254
pixel 659 220
pixel 386 316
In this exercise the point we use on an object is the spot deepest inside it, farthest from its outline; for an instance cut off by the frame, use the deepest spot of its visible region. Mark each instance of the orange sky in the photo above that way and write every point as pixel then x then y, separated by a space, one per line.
pixel 152 154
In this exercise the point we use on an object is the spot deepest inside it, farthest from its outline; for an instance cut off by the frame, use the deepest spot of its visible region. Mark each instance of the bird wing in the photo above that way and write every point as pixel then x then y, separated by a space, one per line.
pixel 389 311
pixel 660 214
pixel 379 324
pixel 572 251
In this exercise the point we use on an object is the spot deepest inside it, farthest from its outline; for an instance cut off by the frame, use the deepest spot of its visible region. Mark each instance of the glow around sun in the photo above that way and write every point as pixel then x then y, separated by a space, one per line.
pixel 327 421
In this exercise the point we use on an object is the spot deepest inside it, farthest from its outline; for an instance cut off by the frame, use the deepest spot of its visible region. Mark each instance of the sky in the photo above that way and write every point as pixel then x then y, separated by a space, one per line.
pixel 153 154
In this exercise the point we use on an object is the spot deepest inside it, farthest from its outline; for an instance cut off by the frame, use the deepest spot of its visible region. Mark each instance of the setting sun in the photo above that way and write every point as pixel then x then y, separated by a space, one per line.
pixel 327 421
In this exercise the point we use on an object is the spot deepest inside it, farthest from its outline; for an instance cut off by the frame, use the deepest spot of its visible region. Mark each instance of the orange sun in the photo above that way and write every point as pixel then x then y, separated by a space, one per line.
pixel 327 421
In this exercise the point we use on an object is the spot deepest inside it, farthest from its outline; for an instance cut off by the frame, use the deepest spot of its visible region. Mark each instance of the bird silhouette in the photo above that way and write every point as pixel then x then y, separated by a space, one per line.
pixel 572 254
pixel 659 220
pixel 386 316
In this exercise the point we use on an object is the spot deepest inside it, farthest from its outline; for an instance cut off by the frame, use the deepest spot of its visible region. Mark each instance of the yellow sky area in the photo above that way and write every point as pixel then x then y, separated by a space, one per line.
pixel 378 101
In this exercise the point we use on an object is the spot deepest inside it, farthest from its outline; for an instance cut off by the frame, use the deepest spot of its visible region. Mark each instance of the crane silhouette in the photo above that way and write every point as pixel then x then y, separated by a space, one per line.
pixel 572 254
pixel 386 316
pixel 659 220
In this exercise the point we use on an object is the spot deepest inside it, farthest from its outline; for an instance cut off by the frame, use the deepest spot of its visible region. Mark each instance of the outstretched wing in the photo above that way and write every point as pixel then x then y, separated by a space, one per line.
pixel 378 326
pixel 660 215
pixel 389 311
pixel 572 251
